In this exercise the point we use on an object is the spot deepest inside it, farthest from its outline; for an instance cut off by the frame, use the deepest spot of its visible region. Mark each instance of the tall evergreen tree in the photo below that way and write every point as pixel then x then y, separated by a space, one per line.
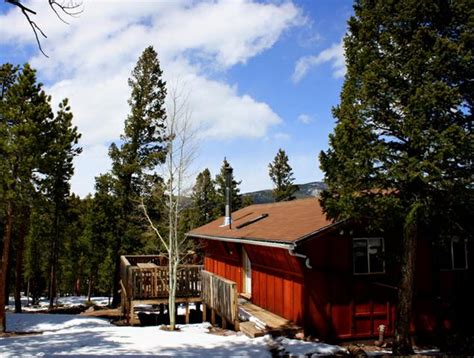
pixel 58 167
pixel 143 148
pixel 282 176
pixel 24 120
pixel 102 218
pixel 36 266
pixel 74 254
pixel 402 150
pixel 220 182
pixel 204 206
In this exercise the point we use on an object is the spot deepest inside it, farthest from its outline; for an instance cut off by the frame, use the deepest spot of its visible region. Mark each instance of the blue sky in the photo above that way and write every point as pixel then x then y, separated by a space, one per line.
pixel 260 75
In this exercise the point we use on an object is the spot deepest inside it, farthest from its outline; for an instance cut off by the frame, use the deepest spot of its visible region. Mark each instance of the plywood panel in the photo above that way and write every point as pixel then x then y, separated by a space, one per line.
pixel 341 316
pixel 363 327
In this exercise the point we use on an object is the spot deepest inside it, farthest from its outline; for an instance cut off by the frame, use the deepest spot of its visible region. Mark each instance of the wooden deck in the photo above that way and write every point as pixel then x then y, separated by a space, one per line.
pixel 144 281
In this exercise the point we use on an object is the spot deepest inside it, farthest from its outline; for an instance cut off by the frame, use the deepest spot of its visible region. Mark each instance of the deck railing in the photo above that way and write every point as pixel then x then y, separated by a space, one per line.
pixel 220 294
pixel 143 279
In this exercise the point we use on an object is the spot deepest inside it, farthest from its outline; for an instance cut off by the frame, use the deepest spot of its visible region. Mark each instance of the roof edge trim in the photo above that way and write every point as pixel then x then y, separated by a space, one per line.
pixel 319 231
pixel 281 245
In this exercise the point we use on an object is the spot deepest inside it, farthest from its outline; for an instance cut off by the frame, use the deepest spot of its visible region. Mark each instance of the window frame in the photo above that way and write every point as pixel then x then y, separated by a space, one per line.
pixel 451 251
pixel 369 272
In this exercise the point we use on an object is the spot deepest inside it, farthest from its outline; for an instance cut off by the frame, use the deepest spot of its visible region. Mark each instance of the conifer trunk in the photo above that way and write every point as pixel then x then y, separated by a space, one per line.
pixel 5 258
pixel 19 261
pixel 77 287
pixel 402 340
pixel 89 289
pixel 116 284
pixel 54 258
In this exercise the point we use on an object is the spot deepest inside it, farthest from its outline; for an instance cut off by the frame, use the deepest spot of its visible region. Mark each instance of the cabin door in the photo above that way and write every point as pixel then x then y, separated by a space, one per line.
pixel 247 279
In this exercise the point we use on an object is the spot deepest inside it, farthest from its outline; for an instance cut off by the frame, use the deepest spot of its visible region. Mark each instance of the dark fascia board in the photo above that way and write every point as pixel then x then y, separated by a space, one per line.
pixel 258 242
pixel 320 231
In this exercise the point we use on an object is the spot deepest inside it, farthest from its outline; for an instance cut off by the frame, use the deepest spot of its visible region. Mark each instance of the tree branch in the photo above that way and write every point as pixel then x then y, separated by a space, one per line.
pixel 35 28
pixel 70 8
pixel 145 212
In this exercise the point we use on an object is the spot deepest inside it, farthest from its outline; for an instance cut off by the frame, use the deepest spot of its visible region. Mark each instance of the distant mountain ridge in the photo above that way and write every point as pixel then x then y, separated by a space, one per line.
pixel 312 189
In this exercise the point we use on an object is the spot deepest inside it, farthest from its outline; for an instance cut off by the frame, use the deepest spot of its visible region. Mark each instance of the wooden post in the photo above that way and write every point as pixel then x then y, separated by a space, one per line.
pixel 213 316
pixel 204 312
pixel 132 313
pixel 224 322
pixel 187 313
pixel 237 325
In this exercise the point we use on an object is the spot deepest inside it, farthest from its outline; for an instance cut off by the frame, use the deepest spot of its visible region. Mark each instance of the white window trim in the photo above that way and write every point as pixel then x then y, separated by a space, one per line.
pixel 368 259
pixel 451 249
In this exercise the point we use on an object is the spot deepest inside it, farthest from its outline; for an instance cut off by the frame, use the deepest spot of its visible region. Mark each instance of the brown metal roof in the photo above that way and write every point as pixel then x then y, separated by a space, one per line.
pixel 286 222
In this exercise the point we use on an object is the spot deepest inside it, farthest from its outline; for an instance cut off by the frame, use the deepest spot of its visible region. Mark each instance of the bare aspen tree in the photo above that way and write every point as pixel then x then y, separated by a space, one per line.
pixel 181 153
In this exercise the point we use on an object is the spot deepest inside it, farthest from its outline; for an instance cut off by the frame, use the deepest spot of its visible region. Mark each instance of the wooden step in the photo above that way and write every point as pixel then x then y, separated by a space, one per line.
pixel 270 319
pixel 250 330
pixel 274 324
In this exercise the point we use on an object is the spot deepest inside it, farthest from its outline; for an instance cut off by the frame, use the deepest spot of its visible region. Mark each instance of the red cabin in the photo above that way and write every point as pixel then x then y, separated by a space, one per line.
pixel 334 279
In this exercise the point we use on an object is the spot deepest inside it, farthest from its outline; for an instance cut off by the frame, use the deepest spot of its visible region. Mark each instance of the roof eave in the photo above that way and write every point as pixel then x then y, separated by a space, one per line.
pixel 318 232
pixel 258 242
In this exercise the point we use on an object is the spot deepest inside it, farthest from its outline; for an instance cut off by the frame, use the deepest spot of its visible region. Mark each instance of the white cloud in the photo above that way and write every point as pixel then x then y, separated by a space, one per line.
pixel 305 118
pixel 94 160
pixel 91 59
pixel 333 54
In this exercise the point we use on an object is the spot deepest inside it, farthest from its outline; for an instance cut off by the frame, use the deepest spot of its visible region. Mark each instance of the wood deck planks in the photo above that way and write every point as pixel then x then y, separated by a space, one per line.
pixel 274 323
pixel 249 329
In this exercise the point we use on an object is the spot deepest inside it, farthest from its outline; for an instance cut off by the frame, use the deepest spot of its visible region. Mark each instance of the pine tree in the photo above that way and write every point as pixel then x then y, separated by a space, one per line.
pixel 220 182
pixel 25 114
pixel 402 150
pixel 58 168
pixel 204 207
pixel 74 254
pixel 36 266
pixel 105 212
pixel 282 176
pixel 143 148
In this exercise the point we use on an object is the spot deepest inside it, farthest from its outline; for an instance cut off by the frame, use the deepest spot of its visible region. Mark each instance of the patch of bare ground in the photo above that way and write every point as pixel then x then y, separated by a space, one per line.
pixel 221 331
pixel 111 313
pixel 19 334
pixel 167 328
pixel 67 309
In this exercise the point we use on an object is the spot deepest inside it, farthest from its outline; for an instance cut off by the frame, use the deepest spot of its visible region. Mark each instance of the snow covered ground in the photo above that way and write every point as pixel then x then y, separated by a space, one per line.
pixel 78 335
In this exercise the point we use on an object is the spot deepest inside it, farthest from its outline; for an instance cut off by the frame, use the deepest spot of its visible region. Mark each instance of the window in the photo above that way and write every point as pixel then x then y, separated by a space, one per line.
pixel 368 255
pixel 454 255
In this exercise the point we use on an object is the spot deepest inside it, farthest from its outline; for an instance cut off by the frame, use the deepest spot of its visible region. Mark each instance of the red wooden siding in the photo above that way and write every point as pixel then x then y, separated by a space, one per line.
pixel 340 304
pixel 277 282
pixel 223 259
pixel 329 300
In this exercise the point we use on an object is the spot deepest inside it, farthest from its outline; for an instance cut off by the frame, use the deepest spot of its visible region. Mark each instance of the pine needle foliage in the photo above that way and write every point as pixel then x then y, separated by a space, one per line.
pixel 402 150
pixel 281 174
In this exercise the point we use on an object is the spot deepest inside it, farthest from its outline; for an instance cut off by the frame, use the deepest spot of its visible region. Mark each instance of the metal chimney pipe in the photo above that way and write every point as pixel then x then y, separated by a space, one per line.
pixel 228 195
